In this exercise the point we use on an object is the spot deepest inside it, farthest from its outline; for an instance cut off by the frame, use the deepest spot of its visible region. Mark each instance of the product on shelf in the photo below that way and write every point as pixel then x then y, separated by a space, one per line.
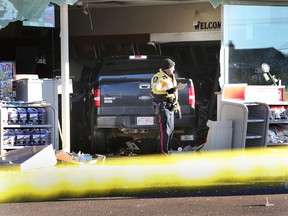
pixel 35 137
pixel 19 137
pixel 32 116
pixel 278 133
pixel 7 71
pixel 278 112
pixel 8 137
pixel 42 116
pixel 24 125
pixel 44 136
pixel 12 116
pixel 22 116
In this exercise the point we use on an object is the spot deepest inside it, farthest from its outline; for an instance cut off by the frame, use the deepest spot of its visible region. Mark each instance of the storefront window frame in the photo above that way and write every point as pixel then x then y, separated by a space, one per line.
pixel 259 3
pixel 224 79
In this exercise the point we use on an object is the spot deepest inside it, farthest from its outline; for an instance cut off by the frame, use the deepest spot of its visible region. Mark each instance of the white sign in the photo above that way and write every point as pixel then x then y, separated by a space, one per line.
pixel 145 120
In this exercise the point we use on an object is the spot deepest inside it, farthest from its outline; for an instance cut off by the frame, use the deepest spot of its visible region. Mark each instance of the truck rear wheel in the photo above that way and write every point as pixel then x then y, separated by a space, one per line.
pixel 98 142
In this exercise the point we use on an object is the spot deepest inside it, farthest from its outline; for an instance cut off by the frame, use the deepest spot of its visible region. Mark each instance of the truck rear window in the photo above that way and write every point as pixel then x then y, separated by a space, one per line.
pixel 130 69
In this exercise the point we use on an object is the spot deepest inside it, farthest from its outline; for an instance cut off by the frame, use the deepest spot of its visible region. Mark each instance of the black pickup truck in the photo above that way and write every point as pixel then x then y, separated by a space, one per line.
pixel 119 103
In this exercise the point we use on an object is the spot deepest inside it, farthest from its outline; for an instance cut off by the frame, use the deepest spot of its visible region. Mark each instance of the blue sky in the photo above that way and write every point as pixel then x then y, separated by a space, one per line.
pixel 258 27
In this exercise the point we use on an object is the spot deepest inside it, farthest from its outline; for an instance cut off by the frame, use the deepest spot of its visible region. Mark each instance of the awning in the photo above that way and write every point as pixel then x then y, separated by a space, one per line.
pixel 14 10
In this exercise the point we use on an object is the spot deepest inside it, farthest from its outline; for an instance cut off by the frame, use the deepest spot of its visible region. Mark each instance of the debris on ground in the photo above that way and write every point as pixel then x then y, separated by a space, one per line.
pixel 132 146
pixel 30 157
pixel 79 158
pixel 33 157
pixel 65 157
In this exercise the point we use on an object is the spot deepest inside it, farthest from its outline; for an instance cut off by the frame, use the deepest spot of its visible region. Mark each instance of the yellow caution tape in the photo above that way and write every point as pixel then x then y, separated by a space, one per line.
pixel 144 172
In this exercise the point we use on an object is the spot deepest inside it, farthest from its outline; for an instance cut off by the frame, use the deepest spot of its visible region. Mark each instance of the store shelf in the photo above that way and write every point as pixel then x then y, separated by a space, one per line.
pixel 280 121
pixel 250 107
pixel 28 126
pixel 18 134
pixel 250 123
pixel 277 144
pixel 254 136
pixel 255 120
pixel 12 147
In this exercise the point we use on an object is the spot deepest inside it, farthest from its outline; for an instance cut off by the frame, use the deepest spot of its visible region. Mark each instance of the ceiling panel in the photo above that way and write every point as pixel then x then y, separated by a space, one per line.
pixel 121 3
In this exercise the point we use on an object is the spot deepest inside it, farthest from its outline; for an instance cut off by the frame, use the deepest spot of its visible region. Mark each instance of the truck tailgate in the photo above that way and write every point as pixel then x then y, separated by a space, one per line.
pixel 128 97
pixel 133 97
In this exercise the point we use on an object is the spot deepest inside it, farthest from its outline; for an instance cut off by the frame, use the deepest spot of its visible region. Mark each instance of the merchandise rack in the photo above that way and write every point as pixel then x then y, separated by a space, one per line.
pixel 50 125
pixel 250 109
pixel 279 122
pixel 250 123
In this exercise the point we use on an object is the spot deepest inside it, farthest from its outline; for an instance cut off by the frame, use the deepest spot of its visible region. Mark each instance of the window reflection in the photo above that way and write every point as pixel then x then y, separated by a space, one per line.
pixel 254 35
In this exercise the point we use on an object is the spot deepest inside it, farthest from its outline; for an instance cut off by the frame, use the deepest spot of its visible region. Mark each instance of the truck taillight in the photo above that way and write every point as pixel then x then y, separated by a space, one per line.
pixel 97 102
pixel 191 96
pixel 138 57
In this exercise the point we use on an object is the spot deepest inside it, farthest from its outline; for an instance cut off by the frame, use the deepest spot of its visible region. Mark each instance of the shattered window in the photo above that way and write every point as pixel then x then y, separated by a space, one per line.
pixel 14 10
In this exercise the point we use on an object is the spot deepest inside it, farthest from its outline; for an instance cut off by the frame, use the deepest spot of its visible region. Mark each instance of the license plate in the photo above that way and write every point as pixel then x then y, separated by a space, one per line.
pixel 187 137
pixel 145 120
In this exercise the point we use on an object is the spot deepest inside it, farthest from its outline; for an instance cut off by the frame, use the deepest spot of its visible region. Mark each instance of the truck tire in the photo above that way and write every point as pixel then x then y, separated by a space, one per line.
pixel 98 142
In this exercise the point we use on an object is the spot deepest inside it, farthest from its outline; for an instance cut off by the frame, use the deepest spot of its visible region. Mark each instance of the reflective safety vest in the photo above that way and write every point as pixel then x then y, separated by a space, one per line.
pixel 161 82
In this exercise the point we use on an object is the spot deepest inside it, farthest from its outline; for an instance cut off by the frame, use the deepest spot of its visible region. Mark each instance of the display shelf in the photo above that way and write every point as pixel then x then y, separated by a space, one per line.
pixel 253 120
pixel 18 133
pixel 253 143
pixel 12 147
pixel 280 121
pixel 278 144
pixel 250 107
pixel 254 136
pixel 28 126
pixel 250 123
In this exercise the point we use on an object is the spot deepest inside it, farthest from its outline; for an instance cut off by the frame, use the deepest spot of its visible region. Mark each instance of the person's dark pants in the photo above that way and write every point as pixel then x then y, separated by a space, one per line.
pixel 166 129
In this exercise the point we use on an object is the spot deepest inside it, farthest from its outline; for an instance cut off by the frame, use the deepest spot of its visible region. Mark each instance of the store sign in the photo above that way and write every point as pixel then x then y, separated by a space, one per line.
pixel 208 25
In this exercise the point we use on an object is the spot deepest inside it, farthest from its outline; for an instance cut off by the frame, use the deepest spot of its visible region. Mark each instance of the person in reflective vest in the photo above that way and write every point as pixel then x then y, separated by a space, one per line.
pixel 165 101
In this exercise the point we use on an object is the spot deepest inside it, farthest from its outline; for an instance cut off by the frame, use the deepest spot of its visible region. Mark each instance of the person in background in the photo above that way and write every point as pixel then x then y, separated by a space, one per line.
pixel 165 100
